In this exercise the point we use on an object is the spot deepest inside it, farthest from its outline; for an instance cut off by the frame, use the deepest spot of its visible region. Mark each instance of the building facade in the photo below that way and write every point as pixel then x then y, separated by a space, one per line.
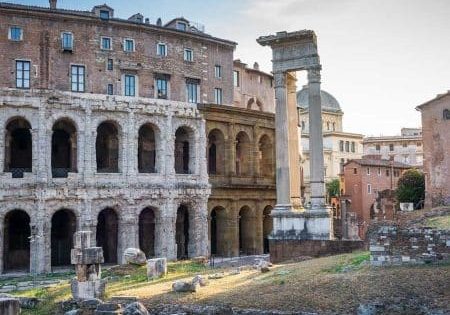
pixel 436 150
pixel 406 148
pixel 101 132
pixel 339 146
pixel 364 182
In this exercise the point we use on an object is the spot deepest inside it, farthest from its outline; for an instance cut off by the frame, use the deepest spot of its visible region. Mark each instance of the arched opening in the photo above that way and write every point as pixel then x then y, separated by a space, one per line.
pixel 242 154
pixel 16 242
pixel 182 232
pixel 183 147
pixel 146 150
pixel 266 152
pixel 246 231
pixel 64 225
pixel 267 227
pixel 64 148
pixel 18 147
pixel 107 148
pixel 107 234
pixel 147 232
pixel 216 153
pixel 219 240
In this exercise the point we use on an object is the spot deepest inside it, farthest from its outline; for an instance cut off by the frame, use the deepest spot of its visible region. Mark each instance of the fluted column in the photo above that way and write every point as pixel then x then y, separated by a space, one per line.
pixel 316 140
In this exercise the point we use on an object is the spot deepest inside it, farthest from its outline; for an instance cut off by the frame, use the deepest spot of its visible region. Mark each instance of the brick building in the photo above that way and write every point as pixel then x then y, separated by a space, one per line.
pixel 102 132
pixel 436 147
pixel 364 182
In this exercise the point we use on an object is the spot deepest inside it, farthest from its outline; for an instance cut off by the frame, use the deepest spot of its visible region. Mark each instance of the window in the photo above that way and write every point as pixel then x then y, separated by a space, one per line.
pixel 334 126
pixel 341 146
pixel 369 188
pixel 405 145
pixel 110 89
pixel 15 33
pixel 353 147
pixel 161 88
pixel 130 85
pixel 218 96
pixel 379 171
pixel 161 49
pixel 368 171
pixel 387 173
pixel 347 146
pixel 218 71
pixel 104 15
pixel 391 147
pixel 377 147
pixel 396 173
pixel 110 65
pixel 67 41
pixel 236 78
pixel 192 90
pixel 181 26
pixel 77 76
pixel 128 45
pixel 419 144
pixel 188 55
pixel 355 170
pixel 328 125
pixel 22 74
pixel 303 125
pixel 106 43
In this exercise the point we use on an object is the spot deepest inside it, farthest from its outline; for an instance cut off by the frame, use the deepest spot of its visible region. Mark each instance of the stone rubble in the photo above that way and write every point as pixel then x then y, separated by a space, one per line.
pixel 134 256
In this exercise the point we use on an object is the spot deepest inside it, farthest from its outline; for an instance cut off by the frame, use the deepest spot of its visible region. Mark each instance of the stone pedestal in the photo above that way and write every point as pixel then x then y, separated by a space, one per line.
pixel 156 268
pixel 88 283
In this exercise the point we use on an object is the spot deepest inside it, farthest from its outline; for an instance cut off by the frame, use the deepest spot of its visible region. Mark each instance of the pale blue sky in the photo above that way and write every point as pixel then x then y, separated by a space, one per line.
pixel 380 58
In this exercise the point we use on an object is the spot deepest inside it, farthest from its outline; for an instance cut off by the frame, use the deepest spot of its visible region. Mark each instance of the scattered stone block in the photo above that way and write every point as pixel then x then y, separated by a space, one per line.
pixel 200 260
pixel 265 269
pixel 156 268
pixel 90 304
pixel 183 286
pixel 216 276
pixel 9 306
pixel 134 256
pixel 135 308
pixel 203 282
pixel 123 300
pixel 235 272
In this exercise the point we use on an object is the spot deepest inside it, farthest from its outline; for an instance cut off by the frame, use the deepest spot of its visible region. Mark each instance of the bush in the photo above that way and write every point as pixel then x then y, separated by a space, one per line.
pixel 333 188
pixel 411 187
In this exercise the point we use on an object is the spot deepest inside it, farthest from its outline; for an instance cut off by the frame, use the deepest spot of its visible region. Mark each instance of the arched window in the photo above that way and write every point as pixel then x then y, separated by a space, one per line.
pixel 247 232
pixel 266 153
pixel 242 154
pixel 183 150
pixel 64 148
pixel 64 224
pixel 147 223
pixel 107 234
pixel 18 147
pixel 146 150
pixel 216 153
pixel 220 245
pixel 182 232
pixel 267 227
pixel 107 148
pixel 16 242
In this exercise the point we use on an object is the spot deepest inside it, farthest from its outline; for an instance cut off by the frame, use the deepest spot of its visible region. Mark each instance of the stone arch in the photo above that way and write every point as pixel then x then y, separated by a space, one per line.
pixel 216 152
pixel 218 231
pixel 16 241
pixel 243 154
pixel 182 231
pixel 184 150
pixel 107 234
pixel 18 147
pixel 64 148
pixel 255 104
pixel 147 228
pixel 107 147
pixel 267 227
pixel 147 149
pixel 247 232
pixel 64 224
pixel 266 156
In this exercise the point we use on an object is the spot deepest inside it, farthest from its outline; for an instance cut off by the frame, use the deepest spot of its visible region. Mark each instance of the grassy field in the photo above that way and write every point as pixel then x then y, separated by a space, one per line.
pixel 338 283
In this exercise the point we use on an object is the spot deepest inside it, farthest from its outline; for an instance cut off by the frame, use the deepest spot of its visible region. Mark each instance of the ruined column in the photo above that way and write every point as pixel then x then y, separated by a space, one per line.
pixel 316 141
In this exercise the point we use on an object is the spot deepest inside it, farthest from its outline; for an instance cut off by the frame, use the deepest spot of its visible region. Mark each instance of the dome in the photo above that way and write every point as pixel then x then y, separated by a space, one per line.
pixel 329 103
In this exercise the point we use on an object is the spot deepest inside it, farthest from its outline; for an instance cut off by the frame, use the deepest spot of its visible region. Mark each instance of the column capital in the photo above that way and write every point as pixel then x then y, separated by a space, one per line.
pixel 314 74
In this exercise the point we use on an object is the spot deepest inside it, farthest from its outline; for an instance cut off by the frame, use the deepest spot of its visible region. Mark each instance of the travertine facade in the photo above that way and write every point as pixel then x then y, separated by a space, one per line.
pixel 129 166
pixel 436 150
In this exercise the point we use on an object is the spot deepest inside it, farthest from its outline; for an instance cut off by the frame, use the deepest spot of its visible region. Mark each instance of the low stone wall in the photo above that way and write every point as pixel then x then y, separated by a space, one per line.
pixel 391 245
pixel 282 250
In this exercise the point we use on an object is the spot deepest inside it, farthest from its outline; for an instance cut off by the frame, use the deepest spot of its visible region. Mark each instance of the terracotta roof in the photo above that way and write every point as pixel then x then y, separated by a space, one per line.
pixel 379 162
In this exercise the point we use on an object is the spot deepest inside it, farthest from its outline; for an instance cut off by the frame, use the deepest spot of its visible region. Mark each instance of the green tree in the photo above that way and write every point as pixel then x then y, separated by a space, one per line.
pixel 333 188
pixel 411 187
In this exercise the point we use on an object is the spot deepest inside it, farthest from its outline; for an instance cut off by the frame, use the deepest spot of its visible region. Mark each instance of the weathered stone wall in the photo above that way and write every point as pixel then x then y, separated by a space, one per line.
pixel 85 192
pixel 391 245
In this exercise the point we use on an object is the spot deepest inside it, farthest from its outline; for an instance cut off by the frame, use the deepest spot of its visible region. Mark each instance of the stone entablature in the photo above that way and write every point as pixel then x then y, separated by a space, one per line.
pixel 85 193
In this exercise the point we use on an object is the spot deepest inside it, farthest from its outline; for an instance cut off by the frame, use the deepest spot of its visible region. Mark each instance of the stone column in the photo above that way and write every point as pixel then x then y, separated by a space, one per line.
pixel 316 141
pixel 199 246
pixel 165 230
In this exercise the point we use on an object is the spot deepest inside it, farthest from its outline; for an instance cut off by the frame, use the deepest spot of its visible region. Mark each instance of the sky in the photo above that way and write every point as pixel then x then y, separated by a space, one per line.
pixel 380 58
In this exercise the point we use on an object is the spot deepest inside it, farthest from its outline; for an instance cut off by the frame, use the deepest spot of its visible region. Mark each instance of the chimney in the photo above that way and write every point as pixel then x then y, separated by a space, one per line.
pixel 159 22
pixel 147 21
pixel 256 66
pixel 53 4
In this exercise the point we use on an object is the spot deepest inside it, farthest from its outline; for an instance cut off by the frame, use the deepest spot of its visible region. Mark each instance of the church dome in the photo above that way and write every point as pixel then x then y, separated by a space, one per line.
pixel 329 103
